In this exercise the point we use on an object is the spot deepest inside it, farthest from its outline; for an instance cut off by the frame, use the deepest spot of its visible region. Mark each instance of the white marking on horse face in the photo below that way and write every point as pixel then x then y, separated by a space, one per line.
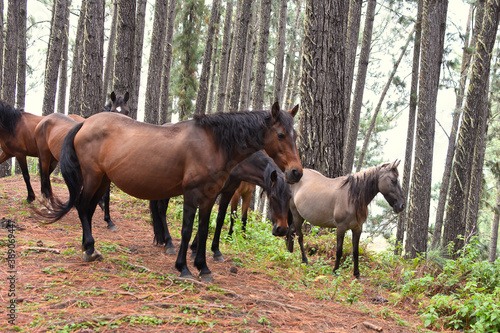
pixel 119 109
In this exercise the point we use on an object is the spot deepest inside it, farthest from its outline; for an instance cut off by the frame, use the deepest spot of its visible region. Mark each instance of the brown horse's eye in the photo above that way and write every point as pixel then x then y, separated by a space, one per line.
pixel 281 135
pixel 394 182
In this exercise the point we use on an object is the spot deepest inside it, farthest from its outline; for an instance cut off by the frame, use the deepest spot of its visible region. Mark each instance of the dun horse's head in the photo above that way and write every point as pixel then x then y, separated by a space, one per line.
pixel 118 104
pixel 388 185
pixel 280 143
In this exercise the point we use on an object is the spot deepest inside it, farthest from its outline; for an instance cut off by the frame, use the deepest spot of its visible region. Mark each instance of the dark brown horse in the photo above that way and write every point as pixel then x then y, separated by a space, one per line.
pixel 49 135
pixel 17 139
pixel 342 203
pixel 193 158
pixel 258 169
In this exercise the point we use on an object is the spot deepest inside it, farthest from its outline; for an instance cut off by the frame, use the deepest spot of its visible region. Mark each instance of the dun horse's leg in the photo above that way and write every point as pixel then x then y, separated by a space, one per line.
pixel 223 203
pixel 107 217
pixel 201 261
pixel 340 244
pixel 356 234
pixel 24 168
pixel 189 211
pixel 300 237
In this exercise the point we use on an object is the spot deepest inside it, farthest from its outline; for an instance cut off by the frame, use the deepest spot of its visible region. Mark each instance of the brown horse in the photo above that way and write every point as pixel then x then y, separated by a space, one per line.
pixel 49 135
pixel 17 139
pixel 193 158
pixel 244 191
pixel 342 203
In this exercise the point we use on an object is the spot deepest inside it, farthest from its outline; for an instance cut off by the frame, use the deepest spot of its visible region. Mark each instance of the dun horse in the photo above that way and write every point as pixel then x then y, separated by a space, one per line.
pixel 342 203
pixel 17 139
pixel 258 169
pixel 193 158
pixel 49 135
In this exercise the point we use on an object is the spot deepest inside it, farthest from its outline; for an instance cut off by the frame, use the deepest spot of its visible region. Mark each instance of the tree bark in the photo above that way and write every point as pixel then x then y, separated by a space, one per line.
pixel 63 66
pixel 280 56
pixel 21 56
pixel 364 58
pixel 140 22
pixel 322 99
pixel 156 54
pixel 455 224
pixel 249 61
pixel 201 98
pixel 123 79
pixel 494 227
pixel 93 58
pixel 224 63
pixel 262 48
pixel 239 55
pixel 167 64
pixel 433 32
pixel 110 54
pixel 75 90
pixel 445 182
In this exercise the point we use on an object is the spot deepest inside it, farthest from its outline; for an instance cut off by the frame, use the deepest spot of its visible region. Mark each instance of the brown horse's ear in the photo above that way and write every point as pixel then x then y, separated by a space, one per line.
pixel 113 96
pixel 275 111
pixel 274 178
pixel 125 98
pixel 294 111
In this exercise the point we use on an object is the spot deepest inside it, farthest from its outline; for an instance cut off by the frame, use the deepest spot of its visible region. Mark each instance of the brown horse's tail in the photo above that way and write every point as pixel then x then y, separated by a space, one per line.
pixel 70 169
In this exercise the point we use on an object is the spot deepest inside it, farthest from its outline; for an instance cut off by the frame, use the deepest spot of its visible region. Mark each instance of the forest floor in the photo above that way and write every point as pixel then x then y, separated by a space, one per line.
pixel 135 288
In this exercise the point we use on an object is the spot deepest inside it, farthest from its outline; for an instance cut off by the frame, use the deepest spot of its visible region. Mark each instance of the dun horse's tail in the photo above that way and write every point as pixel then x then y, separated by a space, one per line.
pixel 70 169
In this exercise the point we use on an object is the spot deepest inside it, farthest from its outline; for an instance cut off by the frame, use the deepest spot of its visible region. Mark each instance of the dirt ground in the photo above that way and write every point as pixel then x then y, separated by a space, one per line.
pixel 135 287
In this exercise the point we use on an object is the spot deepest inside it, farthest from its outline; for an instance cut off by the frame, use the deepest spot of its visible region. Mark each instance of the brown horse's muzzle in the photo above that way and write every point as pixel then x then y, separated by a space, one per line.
pixel 279 231
pixel 293 176
pixel 398 207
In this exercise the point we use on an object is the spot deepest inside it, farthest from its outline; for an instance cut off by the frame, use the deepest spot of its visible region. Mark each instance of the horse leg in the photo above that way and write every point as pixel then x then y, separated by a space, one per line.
pixel 223 203
pixel 340 244
pixel 24 168
pixel 245 204
pixel 298 221
pixel 107 217
pixel 290 234
pixel 189 212
pixel 356 234
pixel 162 235
pixel 234 209
pixel 200 261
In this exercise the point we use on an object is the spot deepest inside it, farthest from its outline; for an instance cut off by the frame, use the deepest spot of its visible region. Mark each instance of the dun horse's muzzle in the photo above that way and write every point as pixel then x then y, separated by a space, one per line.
pixel 293 176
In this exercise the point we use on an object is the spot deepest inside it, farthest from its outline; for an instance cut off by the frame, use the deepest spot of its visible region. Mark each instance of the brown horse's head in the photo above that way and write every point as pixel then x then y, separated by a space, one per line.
pixel 388 185
pixel 279 195
pixel 118 104
pixel 280 143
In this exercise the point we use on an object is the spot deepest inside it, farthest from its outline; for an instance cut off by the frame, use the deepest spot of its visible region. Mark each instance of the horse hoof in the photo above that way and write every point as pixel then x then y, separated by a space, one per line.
pixel 95 256
pixel 219 258
pixel 207 277
pixel 170 251
pixel 112 227
pixel 187 277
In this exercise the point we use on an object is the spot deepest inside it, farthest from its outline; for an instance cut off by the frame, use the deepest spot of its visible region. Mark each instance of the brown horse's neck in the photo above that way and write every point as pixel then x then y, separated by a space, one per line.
pixel 363 187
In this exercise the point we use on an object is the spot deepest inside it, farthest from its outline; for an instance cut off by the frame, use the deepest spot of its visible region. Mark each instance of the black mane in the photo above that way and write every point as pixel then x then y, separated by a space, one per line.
pixel 243 130
pixel 363 186
pixel 9 117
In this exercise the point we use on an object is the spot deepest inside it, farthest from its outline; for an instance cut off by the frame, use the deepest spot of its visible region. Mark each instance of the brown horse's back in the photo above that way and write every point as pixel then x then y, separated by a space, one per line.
pixel 50 133
pixel 23 143
pixel 164 159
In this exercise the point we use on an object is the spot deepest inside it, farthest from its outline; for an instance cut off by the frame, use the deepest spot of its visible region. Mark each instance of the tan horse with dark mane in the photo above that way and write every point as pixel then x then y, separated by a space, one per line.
pixel 342 203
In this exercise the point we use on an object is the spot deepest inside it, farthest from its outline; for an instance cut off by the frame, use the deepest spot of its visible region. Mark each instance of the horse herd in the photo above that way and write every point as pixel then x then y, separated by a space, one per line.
pixel 224 154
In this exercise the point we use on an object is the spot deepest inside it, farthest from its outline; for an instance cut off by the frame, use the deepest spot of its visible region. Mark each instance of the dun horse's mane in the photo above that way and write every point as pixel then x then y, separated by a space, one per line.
pixel 241 130
pixel 9 117
pixel 363 186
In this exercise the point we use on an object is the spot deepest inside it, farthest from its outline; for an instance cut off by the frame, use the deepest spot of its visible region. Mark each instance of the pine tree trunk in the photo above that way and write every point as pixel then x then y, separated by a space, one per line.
pixel 433 32
pixel 351 47
pixel 156 54
pixel 249 61
pixel 494 227
pixel 75 89
pixel 379 105
pixel 54 57
pixel 322 87
pixel 364 58
pixel 1 43
pixel 455 224
pixel 123 78
pixel 140 22
pixel 262 48
pixel 110 54
pixel 167 64
pixel 201 98
pixel 63 66
pixel 21 56
pixel 445 182
pixel 224 63
pixel 93 58
pixel 213 75
pixel 232 54
pixel 239 53
pixel 280 56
